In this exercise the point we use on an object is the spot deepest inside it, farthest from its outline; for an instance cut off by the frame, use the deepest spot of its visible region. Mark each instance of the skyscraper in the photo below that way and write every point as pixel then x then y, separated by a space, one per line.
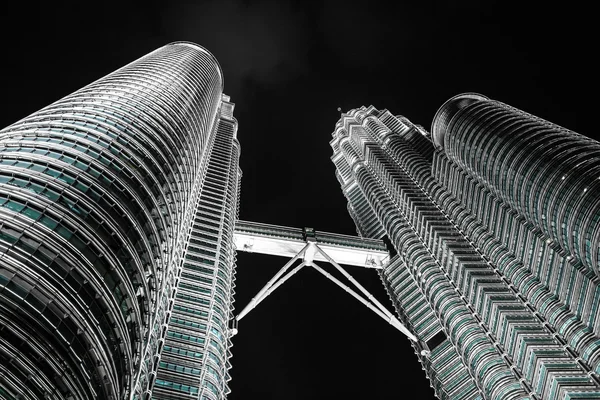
pixel 117 253
pixel 494 219
pixel 117 208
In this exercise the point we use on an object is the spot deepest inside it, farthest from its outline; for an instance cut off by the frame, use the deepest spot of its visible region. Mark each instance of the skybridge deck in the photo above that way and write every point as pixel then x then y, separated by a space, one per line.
pixel 284 241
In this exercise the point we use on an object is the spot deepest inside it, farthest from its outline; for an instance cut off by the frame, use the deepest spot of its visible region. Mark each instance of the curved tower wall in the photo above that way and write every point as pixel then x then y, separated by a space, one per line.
pixel 548 174
pixel 194 349
pixel 97 196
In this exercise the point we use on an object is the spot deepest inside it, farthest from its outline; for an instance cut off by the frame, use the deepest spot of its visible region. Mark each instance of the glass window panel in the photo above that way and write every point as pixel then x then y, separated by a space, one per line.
pixel 66 178
pixel 49 222
pixel 52 195
pixel 31 213
pixel 9 234
pixel 35 187
pixel 64 232
pixel 13 205
pixel 52 172
pixel 79 185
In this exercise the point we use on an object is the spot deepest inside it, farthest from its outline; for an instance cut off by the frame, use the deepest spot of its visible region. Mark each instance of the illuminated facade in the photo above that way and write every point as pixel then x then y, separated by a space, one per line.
pixel 119 227
pixel 194 358
pixel 101 194
pixel 494 217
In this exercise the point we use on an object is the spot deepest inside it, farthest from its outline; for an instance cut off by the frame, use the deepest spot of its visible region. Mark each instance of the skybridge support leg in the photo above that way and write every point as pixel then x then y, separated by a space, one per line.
pixel 355 282
pixel 273 287
pixel 307 253
pixel 387 316
pixel 270 286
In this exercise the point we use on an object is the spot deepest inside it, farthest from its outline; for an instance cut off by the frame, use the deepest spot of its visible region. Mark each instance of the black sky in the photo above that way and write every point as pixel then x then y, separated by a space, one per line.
pixel 288 66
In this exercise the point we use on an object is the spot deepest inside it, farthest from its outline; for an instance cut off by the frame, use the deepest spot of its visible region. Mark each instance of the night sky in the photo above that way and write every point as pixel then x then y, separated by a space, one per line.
pixel 288 67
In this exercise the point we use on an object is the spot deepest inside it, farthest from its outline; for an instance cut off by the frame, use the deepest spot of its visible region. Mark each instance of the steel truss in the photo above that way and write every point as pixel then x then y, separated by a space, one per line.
pixel 307 256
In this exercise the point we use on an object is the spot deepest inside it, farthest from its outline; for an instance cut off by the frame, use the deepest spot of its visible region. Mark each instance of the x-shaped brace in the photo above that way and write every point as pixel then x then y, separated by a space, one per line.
pixel 307 254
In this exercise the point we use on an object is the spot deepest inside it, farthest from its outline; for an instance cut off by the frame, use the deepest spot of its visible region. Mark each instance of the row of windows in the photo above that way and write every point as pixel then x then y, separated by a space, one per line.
pixel 540 141
pixel 203 284
pixel 370 189
pixel 415 214
pixel 544 264
pixel 118 160
pixel 177 386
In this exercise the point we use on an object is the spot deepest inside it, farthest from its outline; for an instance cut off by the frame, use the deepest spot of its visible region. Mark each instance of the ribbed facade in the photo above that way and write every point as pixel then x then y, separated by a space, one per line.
pixel 101 194
pixel 194 358
pixel 489 273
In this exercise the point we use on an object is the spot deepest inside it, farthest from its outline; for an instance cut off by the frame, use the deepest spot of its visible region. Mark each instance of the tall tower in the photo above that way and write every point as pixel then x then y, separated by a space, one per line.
pixel 116 202
pixel 494 222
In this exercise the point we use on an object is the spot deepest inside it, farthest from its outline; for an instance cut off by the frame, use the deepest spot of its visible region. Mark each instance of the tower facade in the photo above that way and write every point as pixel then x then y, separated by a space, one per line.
pixel 493 222
pixel 117 202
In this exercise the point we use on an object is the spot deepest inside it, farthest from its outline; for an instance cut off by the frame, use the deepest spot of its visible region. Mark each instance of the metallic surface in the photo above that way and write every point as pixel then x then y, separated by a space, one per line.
pixel 193 355
pixel 546 173
pixel 97 197
pixel 287 242
pixel 501 309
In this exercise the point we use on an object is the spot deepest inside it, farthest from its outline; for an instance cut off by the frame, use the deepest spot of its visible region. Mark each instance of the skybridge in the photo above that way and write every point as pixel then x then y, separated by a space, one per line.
pixel 309 247
pixel 284 241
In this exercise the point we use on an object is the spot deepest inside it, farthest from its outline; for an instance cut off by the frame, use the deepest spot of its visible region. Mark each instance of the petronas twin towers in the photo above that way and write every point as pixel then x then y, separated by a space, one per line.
pixel 119 228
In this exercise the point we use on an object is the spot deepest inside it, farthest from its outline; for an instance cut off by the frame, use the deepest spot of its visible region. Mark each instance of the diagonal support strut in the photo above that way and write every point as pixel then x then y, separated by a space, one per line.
pixel 355 282
pixel 271 285
pixel 391 319
pixel 307 254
